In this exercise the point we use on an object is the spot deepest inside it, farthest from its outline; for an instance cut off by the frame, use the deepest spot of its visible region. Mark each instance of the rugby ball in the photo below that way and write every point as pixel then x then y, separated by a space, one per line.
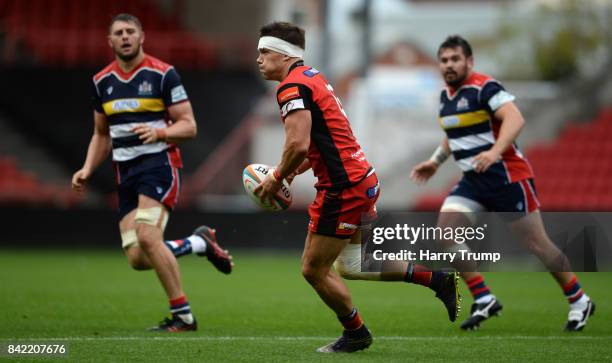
pixel 253 175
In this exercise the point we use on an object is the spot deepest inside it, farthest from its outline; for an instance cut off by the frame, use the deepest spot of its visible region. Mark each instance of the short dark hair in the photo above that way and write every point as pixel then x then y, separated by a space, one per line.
pixel 128 18
pixel 285 31
pixel 454 41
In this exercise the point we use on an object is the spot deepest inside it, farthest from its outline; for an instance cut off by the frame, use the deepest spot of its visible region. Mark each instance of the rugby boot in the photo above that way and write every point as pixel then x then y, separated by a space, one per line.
pixel 482 312
pixel 349 342
pixel 219 257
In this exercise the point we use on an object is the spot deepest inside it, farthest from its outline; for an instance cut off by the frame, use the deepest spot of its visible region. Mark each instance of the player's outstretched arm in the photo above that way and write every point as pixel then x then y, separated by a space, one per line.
pixel 99 148
pixel 423 171
pixel 512 123
pixel 183 126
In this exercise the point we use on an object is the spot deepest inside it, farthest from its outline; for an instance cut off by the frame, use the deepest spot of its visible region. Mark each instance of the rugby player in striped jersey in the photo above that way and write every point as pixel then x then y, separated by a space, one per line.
pixel 481 123
pixel 141 112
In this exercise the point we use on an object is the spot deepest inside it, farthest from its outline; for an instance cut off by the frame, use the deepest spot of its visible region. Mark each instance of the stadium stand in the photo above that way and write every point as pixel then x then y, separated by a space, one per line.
pixel 69 33
pixel 24 187
pixel 573 172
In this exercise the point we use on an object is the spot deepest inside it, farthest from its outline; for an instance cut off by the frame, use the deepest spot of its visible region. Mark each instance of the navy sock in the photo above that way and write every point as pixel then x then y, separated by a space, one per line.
pixel 179 247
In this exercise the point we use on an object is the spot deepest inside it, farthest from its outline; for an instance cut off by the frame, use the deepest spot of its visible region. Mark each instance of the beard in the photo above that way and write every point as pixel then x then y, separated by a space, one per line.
pixel 129 56
pixel 457 80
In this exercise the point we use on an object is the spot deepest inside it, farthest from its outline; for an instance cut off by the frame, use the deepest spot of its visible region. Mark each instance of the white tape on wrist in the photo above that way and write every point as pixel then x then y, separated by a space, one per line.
pixel 439 156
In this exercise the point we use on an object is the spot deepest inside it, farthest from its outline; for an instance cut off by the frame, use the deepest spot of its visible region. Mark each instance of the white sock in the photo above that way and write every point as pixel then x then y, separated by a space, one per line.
pixel 485 299
pixel 198 245
pixel 581 303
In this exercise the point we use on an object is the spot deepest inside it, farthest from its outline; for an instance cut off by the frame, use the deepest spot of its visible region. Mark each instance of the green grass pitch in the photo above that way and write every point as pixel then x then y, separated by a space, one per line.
pixel 265 311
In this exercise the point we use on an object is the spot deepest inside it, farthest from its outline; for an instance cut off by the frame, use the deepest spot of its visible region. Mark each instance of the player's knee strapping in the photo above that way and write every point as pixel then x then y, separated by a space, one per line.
pixel 154 216
pixel 348 264
pixel 458 204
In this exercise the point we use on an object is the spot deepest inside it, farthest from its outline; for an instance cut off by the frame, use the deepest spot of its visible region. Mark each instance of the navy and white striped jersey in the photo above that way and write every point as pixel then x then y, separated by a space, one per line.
pixel 466 115
pixel 141 96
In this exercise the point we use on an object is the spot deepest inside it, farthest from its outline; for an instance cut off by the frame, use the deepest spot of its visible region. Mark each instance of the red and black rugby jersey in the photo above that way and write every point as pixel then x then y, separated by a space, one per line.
pixel 337 159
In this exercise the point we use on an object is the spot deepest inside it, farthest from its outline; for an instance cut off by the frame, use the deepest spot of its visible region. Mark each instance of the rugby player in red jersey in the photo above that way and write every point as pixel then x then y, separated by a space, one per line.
pixel 481 123
pixel 318 136
pixel 141 112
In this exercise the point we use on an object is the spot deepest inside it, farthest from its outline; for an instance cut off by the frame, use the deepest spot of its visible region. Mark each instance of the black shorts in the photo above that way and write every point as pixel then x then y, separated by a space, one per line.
pixel 161 183
pixel 518 197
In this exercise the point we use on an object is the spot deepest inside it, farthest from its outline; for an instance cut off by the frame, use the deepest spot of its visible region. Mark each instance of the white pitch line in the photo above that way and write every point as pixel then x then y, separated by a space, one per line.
pixel 298 338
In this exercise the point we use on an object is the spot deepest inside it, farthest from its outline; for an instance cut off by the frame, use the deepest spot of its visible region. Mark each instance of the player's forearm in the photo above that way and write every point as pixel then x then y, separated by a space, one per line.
pixel 509 131
pixel 293 156
pixel 179 131
pixel 98 150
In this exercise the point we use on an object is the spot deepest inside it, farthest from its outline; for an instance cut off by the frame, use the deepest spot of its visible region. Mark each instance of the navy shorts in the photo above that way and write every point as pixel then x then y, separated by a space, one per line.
pixel 519 197
pixel 161 183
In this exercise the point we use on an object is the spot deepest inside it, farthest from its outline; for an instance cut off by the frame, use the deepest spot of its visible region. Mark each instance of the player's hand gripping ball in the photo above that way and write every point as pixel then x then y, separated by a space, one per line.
pixel 253 175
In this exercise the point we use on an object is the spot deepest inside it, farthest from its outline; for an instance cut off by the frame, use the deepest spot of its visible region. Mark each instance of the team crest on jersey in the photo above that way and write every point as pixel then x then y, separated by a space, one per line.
pixel 463 104
pixel 311 72
pixel 145 88
pixel 109 90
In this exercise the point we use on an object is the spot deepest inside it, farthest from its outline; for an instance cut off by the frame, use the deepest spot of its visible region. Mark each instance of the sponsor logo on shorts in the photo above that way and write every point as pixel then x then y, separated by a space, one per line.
pixel 159 190
pixel 519 206
pixel 347 226
pixel 109 90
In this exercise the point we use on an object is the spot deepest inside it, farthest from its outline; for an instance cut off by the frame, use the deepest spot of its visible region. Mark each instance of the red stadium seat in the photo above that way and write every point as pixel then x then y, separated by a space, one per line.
pixel 23 187
pixel 59 32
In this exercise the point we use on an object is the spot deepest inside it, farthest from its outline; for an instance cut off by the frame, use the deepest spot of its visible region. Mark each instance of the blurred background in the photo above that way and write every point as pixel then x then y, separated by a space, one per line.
pixel 380 56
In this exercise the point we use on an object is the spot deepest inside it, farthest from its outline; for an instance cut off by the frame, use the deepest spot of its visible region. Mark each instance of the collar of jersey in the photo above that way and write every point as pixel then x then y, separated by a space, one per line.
pixel 124 75
pixel 299 63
